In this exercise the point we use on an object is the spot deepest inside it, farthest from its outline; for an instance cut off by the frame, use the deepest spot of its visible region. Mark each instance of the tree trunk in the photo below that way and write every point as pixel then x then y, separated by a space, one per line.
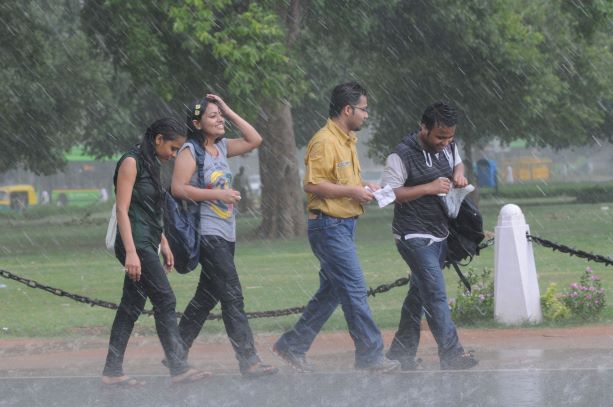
pixel 282 207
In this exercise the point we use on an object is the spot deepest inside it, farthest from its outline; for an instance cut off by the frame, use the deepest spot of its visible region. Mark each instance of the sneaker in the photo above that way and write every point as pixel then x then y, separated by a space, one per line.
pixel 407 363
pixel 462 361
pixel 299 363
pixel 410 364
pixel 384 365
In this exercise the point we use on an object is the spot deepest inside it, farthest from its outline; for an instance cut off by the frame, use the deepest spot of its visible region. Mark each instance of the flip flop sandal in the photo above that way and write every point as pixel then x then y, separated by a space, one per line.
pixel 191 376
pixel 259 370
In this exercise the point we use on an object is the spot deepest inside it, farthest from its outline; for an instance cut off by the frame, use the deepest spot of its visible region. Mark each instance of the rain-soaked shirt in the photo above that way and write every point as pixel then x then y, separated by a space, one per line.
pixel 217 218
pixel 332 156
pixel 145 211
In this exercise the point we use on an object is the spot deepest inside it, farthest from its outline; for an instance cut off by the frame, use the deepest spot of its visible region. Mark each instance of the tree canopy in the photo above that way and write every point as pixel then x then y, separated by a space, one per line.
pixel 538 70
pixel 535 70
pixel 56 94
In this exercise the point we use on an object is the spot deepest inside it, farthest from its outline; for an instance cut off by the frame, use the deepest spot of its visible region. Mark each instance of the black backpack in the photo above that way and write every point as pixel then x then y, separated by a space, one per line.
pixel 465 236
pixel 182 225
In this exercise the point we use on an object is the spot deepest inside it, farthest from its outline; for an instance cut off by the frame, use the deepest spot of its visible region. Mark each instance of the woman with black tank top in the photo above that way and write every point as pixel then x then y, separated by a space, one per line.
pixel 215 202
pixel 139 198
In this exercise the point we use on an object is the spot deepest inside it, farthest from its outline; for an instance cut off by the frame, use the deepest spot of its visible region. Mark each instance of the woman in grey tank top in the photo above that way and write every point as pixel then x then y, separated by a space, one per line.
pixel 219 280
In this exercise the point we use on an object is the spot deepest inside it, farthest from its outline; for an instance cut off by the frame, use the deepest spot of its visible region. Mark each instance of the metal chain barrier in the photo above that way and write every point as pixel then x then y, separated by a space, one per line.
pixel 109 305
pixel 607 261
pixel 297 310
pixel 489 242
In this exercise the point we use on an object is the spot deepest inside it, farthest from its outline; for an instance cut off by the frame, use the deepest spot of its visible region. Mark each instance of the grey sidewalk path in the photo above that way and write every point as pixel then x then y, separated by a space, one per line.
pixel 519 367
pixel 511 348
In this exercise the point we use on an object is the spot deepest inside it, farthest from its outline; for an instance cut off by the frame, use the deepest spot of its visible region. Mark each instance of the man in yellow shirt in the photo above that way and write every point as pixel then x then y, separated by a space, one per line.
pixel 335 196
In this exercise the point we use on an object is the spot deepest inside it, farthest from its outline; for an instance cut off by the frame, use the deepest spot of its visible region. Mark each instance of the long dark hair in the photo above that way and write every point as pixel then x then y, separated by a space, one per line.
pixel 170 129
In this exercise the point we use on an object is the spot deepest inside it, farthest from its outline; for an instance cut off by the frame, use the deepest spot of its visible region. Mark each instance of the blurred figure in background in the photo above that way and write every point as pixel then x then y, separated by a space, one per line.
pixel 241 184
pixel 44 198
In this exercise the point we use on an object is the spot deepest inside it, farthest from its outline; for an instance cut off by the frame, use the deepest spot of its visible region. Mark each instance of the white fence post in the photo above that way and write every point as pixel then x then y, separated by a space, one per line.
pixel 516 290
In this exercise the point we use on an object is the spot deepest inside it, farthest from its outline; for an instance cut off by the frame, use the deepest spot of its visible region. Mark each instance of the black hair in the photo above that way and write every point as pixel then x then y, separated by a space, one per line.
pixel 195 112
pixel 345 94
pixel 439 113
pixel 170 129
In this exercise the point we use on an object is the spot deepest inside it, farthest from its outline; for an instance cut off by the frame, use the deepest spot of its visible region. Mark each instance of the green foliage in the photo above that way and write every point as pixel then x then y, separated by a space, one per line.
pixel 552 308
pixel 65 249
pixel 521 68
pixel 600 193
pixel 478 304
pixel 539 70
pixel 249 41
pixel 587 299
pixel 584 192
pixel 56 93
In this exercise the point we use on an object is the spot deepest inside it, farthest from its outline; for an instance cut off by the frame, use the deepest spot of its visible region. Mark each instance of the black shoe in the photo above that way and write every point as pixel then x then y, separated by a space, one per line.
pixel 297 362
pixel 462 361
pixel 384 365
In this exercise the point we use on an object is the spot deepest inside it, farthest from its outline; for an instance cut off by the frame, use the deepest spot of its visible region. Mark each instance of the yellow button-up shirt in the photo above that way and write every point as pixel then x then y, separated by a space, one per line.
pixel 332 156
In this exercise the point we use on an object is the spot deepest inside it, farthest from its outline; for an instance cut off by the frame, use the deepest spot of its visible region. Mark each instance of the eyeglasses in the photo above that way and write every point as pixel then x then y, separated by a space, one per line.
pixel 364 109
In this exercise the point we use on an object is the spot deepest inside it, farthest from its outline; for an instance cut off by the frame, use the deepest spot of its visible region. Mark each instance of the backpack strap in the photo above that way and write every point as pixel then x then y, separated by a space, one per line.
pixel 200 155
pixel 462 277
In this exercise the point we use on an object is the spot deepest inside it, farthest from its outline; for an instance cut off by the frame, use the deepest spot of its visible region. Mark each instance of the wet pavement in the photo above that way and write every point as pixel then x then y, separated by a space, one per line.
pixel 507 387
pixel 531 367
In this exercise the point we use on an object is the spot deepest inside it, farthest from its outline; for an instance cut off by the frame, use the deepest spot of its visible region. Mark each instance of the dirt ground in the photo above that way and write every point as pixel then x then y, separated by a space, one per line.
pixel 85 356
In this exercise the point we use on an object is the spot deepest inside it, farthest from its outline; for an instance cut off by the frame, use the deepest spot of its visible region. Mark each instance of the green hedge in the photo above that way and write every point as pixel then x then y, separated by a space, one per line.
pixel 584 192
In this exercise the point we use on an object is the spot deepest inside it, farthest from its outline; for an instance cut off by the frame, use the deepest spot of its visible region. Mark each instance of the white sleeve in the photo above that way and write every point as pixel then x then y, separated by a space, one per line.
pixel 456 156
pixel 394 173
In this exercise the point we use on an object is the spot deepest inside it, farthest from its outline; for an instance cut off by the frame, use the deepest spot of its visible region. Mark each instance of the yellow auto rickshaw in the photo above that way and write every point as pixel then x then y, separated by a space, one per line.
pixel 17 197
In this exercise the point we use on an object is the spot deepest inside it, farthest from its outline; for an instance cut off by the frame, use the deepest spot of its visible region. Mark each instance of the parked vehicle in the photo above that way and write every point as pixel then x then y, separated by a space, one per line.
pixel 75 196
pixel 17 197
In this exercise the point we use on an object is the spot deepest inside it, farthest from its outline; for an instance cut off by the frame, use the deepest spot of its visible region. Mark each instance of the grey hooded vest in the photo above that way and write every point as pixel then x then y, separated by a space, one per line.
pixel 425 215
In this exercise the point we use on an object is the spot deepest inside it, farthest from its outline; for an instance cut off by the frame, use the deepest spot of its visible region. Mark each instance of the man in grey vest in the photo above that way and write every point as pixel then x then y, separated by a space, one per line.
pixel 421 170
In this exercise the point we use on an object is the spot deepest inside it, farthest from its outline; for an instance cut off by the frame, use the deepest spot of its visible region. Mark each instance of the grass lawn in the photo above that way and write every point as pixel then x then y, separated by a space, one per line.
pixel 275 274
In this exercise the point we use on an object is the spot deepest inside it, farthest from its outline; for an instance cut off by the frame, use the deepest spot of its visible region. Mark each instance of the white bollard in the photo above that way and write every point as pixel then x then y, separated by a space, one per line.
pixel 516 290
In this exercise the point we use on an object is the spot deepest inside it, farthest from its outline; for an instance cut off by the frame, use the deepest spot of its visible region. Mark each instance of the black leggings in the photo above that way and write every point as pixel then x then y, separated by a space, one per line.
pixel 219 283
pixel 154 285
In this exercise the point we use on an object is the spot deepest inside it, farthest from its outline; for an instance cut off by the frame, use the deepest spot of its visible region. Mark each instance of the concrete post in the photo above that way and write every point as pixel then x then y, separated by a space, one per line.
pixel 516 290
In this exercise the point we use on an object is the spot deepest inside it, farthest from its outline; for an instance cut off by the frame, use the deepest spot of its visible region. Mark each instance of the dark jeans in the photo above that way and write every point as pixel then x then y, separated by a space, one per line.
pixel 219 283
pixel 341 281
pixel 153 284
pixel 426 294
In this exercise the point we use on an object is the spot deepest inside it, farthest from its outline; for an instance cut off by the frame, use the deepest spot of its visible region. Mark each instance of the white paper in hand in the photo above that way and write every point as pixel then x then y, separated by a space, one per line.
pixel 384 196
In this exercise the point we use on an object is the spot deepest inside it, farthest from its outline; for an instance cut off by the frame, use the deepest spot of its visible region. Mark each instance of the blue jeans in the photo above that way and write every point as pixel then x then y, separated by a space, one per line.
pixel 426 294
pixel 154 285
pixel 340 281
